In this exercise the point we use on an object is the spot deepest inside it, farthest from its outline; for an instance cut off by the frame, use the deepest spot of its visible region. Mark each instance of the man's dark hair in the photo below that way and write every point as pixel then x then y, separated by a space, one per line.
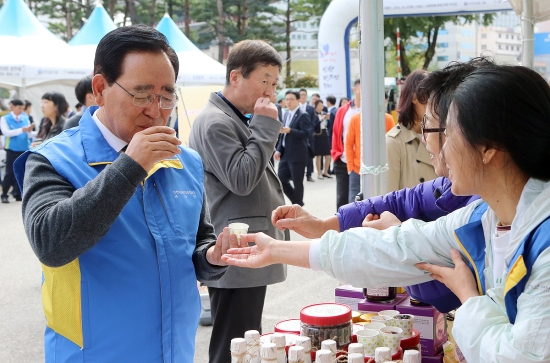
pixel 316 95
pixel 318 102
pixel 115 45
pixel 17 102
pixel 27 104
pixel 82 88
pixel 248 55
pixel 331 99
pixel 357 81
pixel 295 93
pixel 302 89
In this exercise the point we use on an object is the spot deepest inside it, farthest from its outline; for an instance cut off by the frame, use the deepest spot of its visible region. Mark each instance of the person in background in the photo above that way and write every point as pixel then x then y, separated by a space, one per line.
pixel 310 111
pixel 292 149
pixel 390 123
pixel 322 141
pixel 331 107
pixel 85 95
pixel 115 211
pixel 313 101
pixel 343 101
pixel 28 111
pixel 352 148
pixel 408 161
pixel 54 106
pixel 339 133
pixel 78 107
pixel 17 130
pixel 494 253
pixel 241 183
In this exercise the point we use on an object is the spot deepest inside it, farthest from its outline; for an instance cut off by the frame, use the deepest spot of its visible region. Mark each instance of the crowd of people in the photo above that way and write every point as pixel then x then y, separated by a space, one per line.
pixel 120 285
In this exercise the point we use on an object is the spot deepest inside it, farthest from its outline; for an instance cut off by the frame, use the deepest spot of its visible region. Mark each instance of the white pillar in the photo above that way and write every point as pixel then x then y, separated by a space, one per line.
pixel 528 33
pixel 371 18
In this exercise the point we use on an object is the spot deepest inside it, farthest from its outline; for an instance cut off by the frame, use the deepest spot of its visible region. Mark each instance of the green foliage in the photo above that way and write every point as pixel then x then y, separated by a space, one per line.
pixel 307 81
pixel 67 16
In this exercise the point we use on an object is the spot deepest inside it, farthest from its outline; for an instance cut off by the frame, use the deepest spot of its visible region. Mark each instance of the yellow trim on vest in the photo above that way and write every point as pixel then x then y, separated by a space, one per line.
pixel 166 163
pixel 61 300
pixel 517 272
pixel 478 280
pixel 101 163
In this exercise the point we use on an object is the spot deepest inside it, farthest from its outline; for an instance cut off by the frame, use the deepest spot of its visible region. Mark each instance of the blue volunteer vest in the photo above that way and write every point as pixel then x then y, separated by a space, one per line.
pixel 20 142
pixel 472 242
pixel 133 296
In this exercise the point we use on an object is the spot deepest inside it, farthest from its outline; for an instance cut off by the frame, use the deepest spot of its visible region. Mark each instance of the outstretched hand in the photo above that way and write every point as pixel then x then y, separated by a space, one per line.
pixel 256 256
pixel 459 279
pixel 224 242
pixel 296 219
pixel 385 220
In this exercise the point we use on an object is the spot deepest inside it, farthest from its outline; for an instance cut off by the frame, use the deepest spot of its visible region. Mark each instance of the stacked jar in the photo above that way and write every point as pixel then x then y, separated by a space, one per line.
pixel 326 321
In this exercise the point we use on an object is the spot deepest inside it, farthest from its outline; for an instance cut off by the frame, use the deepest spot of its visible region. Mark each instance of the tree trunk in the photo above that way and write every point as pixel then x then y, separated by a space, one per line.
pixel 69 21
pixel 187 20
pixel 126 9
pixel 405 67
pixel 244 18
pixel 88 8
pixel 171 8
pixel 430 52
pixel 152 13
pixel 288 50
pixel 221 31
pixel 111 9
pixel 132 12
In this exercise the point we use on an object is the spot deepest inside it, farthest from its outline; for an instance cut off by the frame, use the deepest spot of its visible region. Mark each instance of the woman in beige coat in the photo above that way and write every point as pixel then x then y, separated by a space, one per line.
pixel 407 157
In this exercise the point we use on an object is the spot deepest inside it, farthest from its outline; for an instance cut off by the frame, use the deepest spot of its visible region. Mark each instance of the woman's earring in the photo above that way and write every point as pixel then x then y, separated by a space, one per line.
pixel 483 160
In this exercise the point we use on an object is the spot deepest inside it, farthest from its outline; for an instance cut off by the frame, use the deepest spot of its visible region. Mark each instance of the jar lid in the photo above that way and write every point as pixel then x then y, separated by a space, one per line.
pixel 325 314
pixel 288 326
pixel 411 342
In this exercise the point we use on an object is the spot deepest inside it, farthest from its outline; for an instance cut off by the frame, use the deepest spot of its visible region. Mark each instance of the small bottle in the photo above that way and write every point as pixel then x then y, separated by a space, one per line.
pixel 356 358
pixel 380 294
pixel 355 348
pixel 324 356
pixel 238 350
pixel 268 353
pixel 296 355
pixel 382 354
pixel 252 338
pixel 280 342
pixel 329 344
pixel 412 356
pixel 304 342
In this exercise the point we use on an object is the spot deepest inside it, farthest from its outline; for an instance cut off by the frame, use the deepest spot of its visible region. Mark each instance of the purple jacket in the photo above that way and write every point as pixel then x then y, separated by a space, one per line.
pixel 427 201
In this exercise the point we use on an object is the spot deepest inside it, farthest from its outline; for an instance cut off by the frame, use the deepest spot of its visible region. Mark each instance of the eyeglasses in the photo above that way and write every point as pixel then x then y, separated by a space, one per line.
pixel 144 99
pixel 424 130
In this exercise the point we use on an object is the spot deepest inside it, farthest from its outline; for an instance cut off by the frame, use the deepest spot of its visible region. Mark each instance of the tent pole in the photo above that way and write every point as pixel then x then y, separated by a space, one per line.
pixel 373 148
pixel 528 33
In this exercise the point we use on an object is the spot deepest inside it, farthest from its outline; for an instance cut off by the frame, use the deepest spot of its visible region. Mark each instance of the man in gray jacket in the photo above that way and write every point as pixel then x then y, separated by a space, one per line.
pixel 240 182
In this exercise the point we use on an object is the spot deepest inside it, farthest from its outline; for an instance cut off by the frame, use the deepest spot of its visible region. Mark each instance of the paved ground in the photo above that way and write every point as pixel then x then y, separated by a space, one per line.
pixel 21 317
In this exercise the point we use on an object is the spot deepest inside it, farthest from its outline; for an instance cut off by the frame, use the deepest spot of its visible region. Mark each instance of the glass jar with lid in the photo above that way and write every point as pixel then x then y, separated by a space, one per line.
pixel 326 321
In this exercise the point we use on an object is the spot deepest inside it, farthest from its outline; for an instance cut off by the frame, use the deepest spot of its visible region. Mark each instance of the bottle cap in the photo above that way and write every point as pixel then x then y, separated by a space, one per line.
pixel 329 344
pixel 279 340
pixel 303 342
pixel 324 356
pixel 382 354
pixel 356 358
pixel 238 345
pixel 268 351
pixel 412 356
pixel 296 354
pixel 325 314
pixel 252 337
pixel 355 348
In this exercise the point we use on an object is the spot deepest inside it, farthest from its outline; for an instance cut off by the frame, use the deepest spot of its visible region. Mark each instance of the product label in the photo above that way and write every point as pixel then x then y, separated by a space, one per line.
pixel 379 291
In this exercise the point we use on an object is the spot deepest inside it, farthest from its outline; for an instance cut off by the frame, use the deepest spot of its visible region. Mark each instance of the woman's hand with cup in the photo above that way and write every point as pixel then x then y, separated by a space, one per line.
pixel 259 255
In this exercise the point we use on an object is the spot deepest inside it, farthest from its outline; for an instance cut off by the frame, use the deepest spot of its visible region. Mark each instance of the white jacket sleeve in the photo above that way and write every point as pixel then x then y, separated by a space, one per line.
pixel 370 258
pixel 492 338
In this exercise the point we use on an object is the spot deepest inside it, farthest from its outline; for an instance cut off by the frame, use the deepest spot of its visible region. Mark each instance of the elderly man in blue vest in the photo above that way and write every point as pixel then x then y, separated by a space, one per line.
pixel 115 211
pixel 17 129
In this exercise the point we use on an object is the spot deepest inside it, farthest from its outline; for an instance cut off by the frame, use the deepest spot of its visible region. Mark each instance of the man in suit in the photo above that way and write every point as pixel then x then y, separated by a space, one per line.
pixel 85 96
pixel 240 182
pixel 310 110
pixel 292 150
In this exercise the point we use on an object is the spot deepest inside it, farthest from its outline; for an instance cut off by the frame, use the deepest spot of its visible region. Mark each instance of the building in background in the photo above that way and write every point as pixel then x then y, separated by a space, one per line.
pixel 455 43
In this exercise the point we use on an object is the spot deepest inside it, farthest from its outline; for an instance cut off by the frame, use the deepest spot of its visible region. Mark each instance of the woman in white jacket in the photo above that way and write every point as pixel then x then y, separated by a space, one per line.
pixel 498 147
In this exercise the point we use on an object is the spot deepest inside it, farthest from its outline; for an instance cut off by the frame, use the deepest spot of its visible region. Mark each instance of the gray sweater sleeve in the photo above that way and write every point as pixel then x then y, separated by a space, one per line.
pixel 62 223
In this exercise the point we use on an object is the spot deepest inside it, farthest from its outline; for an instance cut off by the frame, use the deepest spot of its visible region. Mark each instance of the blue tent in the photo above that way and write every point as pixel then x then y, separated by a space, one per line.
pixel 17 20
pixel 195 66
pixel 98 24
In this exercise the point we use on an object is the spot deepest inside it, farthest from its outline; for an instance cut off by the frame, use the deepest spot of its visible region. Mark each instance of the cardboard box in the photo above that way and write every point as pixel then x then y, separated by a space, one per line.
pixel 348 295
pixel 374 307
pixel 431 324
pixel 435 359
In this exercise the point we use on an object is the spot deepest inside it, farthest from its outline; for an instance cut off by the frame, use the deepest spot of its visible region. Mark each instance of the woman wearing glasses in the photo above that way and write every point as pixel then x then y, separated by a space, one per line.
pixel 505 313
pixel 408 160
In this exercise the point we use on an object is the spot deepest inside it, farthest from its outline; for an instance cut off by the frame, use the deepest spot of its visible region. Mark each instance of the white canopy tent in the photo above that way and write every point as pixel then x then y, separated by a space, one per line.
pixel 36 61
